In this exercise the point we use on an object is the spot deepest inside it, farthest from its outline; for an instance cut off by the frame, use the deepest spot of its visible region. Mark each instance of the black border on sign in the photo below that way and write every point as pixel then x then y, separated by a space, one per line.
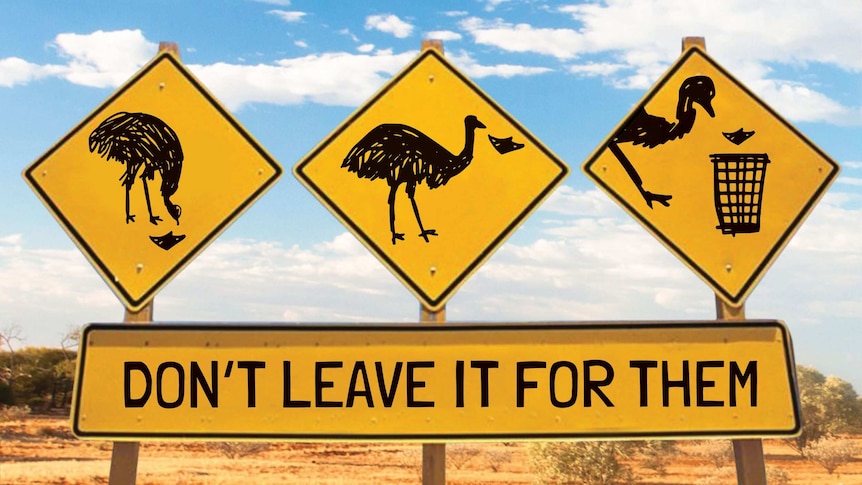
pixel 131 303
pixel 432 303
pixel 735 299
pixel 449 327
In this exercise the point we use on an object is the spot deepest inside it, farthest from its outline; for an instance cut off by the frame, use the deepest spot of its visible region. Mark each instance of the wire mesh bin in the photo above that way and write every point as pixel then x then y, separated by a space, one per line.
pixel 739 179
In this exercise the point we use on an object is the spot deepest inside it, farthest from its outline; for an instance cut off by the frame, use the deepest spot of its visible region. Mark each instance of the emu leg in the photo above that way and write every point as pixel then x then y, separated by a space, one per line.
pixel 129 217
pixel 649 197
pixel 154 219
pixel 395 235
pixel 425 232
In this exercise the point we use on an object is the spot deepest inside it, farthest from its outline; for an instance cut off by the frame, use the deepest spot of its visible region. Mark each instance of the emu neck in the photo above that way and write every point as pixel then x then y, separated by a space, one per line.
pixel 469 138
pixel 457 164
pixel 685 114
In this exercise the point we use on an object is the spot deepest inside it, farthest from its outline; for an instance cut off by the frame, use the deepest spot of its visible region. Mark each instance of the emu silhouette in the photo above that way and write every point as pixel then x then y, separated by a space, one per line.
pixel 140 139
pixel 651 131
pixel 404 155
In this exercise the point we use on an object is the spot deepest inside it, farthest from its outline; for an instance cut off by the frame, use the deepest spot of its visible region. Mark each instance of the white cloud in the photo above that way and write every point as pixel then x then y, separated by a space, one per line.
pixel 15 71
pixel 288 16
pixel 477 71
pixel 559 43
pixel 100 59
pixel 333 79
pixel 104 59
pixel 456 13
pixel 643 38
pixel 444 35
pixel 389 24
pixel 301 43
pixel 365 48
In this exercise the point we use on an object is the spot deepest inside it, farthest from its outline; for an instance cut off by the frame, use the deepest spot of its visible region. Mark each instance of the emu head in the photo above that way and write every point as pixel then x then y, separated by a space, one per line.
pixel 174 210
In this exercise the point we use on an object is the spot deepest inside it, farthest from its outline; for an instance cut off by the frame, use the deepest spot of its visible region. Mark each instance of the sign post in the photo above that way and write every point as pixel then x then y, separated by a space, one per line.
pixel 458 170
pixel 431 175
pixel 180 156
pixel 677 164
pixel 124 454
pixel 433 454
pixel 150 178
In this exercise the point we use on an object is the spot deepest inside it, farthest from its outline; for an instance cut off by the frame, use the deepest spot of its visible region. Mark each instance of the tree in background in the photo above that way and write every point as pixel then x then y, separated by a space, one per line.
pixel 10 338
pixel 829 406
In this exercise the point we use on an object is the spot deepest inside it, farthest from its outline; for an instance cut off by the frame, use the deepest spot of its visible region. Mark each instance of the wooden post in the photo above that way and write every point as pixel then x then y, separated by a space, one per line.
pixel 433 455
pixel 124 456
pixel 748 454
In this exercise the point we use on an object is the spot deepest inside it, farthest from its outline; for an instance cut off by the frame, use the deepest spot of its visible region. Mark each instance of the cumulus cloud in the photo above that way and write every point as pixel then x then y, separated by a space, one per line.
pixel 389 24
pixel 100 59
pixel 342 79
pixel 288 16
pixel 445 35
pixel 475 70
pixel 642 39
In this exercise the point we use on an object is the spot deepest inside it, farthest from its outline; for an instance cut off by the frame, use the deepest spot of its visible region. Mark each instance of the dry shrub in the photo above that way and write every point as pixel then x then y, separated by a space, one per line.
pixel 717 452
pixel 777 476
pixel 459 454
pixel 13 413
pixel 590 462
pixel 656 454
pixel 411 459
pixel 831 452
pixel 723 477
pixel 238 449
pixel 497 458
pixel 60 433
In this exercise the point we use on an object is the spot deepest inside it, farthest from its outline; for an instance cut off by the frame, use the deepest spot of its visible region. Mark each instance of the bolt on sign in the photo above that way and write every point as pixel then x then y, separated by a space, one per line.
pixel 713 172
pixel 431 175
pixel 151 177
pixel 457 382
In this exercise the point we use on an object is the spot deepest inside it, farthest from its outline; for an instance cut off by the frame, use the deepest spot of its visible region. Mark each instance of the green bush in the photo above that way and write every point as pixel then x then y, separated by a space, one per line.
pixel 830 405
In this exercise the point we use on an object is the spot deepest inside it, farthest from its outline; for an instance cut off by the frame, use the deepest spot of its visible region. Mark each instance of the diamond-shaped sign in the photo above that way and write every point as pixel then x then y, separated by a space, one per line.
pixel 431 175
pixel 712 172
pixel 150 178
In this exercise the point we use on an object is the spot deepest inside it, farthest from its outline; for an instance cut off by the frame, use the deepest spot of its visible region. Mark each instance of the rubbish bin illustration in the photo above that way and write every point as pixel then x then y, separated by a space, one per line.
pixel 739 180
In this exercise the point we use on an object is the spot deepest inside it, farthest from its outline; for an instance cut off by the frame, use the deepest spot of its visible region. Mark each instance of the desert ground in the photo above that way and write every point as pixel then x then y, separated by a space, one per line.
pixel 42 450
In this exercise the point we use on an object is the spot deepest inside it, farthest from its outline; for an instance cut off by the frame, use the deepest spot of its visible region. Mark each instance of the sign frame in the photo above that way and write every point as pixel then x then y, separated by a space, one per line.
pixel 131 302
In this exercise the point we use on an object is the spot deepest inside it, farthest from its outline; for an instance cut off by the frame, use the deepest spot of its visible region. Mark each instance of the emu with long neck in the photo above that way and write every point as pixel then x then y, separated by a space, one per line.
pixel 404 155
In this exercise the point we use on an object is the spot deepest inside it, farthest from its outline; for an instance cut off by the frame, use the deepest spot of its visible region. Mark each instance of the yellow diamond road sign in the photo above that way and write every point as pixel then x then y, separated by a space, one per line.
pixel 712 172
pixel 150 178
pixel 431 175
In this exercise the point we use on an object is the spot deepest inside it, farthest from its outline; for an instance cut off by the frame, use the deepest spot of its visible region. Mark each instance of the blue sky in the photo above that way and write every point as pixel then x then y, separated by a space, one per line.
pixel 569 72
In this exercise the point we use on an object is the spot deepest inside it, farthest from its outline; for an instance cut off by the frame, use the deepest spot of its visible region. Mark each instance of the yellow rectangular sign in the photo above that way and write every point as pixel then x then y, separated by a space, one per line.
pixel 455 382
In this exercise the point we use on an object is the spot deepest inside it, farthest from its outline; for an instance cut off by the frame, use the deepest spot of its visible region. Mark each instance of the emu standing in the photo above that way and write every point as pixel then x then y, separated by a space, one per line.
pixel 140 139
pixel 404 155
pixel 651 131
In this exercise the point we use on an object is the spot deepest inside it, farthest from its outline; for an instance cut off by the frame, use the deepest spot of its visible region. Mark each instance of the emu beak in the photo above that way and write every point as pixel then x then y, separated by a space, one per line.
pixel 708 107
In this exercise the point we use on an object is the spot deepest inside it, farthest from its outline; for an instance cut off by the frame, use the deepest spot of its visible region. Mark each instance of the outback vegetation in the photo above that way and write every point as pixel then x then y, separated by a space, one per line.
pixel 35 397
